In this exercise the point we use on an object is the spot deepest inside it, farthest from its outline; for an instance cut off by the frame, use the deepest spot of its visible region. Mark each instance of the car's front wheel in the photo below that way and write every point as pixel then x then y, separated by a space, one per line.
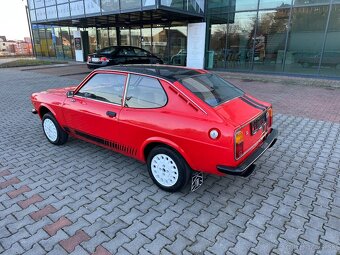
pixel 52 130
pixel 168 169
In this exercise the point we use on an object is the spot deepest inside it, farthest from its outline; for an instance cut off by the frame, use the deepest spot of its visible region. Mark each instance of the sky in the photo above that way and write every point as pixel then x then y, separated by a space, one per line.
pixel 13 20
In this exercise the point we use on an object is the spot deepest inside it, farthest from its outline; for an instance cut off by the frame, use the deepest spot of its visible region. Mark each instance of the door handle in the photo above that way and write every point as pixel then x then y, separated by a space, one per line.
pixel 111 114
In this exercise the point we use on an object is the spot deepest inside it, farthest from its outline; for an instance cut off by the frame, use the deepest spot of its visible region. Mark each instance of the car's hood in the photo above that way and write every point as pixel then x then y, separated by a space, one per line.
pixel 59 91
pixel 240 110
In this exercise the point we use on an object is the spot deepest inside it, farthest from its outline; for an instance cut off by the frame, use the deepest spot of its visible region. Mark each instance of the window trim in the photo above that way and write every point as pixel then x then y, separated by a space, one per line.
pixel 87 79
pixel 142 108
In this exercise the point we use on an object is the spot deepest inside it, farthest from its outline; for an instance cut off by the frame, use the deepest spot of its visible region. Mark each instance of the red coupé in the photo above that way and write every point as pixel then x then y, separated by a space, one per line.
pixel 179 121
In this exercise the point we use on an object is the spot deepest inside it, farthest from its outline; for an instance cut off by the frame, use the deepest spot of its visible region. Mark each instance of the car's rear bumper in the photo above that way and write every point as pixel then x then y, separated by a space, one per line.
pixel 248 166
pixel 97 65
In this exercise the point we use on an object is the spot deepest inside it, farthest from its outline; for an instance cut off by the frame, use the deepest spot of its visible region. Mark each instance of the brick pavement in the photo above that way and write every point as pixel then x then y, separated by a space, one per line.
pixel 82 199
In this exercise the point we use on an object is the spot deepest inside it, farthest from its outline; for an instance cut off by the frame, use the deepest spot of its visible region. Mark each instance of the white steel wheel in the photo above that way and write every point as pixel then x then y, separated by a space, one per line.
pixel 53 132
pixel 50 130
pixel 168 169
pixel 164 169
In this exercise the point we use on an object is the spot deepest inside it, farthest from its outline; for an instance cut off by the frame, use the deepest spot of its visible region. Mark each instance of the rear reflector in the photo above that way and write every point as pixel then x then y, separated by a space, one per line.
pixel 239 150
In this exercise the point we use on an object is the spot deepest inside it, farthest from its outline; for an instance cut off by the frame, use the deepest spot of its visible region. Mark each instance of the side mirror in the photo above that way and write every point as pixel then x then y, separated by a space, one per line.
pixel 70 94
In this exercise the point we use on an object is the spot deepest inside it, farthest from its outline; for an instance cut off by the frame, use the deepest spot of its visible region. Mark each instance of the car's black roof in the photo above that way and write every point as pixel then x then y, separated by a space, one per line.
pixel 171 73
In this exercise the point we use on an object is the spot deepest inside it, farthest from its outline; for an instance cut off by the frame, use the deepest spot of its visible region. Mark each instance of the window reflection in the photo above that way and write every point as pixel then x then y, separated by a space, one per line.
pixel 125 37
pixel 266 4
pixel 306 39
pixel 59 43
pixel 135 37
pixel 240 41
pixel 270 40
pixel 113 36
pixel 330 63
pixel 66 40
pixel 130 4
pixel 92 39
pixel 50 42
pixel 146 39
pixel 43 42
pixel 160 42
pixel 178 42
pixel 310 2
pixel 103 38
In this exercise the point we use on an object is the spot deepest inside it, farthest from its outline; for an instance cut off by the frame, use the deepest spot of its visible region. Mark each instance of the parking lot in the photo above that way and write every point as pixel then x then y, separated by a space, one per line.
pixel 82 199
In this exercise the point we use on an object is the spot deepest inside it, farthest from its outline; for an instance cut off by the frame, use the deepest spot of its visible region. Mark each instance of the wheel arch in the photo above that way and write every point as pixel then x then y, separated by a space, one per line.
pixel 151 143
pixel 43 109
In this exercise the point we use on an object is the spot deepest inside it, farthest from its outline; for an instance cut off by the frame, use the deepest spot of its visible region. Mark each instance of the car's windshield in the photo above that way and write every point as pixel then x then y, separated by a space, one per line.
pixel 107 50
pixel 211 88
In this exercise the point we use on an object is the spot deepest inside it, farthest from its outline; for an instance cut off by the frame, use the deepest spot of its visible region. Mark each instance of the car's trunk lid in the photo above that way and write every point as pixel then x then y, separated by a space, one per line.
pixel 248 116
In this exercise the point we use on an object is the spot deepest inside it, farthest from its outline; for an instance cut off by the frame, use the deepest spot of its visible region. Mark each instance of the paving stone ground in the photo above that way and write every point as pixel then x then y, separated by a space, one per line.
pixel 83 199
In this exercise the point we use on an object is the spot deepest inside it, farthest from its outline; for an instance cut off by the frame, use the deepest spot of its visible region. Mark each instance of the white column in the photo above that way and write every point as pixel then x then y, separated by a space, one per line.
pixel 78 46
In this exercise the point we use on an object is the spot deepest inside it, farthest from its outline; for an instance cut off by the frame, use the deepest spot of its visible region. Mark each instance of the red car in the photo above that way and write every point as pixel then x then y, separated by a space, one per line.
pixel 179 121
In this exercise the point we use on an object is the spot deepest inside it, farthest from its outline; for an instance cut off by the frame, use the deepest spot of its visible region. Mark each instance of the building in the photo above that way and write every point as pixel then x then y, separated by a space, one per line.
pixel 15 48
pixel 270 36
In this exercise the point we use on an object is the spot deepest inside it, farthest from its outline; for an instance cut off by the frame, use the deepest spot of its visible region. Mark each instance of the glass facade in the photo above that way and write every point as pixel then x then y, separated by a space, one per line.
pixel 277 36
pixel 268 36
pixel 58 42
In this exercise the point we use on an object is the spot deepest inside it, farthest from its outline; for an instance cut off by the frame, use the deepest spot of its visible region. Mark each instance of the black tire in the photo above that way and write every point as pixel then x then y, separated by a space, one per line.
pixel 61 135
pixel 183 170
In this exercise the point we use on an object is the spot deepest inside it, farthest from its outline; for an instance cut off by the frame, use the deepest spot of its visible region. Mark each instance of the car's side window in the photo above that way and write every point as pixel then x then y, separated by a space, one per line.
pixel 126 52
pixel 145 92
pixel 141 53
pixel 104 87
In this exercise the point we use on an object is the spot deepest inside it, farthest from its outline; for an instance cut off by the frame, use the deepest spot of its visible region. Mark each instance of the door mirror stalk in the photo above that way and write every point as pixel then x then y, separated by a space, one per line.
pixel 70 94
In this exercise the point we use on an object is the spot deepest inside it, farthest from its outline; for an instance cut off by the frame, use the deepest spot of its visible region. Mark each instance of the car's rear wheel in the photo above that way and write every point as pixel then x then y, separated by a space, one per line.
pixel 52 130
pixel 168 169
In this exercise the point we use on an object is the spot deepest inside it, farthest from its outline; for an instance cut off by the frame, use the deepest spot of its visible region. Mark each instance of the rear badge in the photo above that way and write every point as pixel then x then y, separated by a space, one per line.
pixel 196 180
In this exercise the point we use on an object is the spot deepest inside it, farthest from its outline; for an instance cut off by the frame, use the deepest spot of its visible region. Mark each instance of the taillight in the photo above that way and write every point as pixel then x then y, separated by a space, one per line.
pixel 239 144
pixel 88 59
pixel 270 117
pixel 104 59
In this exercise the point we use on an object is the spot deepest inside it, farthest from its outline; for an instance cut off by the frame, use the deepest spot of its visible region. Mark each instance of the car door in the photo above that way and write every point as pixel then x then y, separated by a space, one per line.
pixel 121 56
pixel 144 57
pixel 131 56
pixel 93 112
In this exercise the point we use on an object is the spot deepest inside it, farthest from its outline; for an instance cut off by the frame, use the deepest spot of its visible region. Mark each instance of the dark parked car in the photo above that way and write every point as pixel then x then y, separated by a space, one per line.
pixel 116 55
pixel 328 59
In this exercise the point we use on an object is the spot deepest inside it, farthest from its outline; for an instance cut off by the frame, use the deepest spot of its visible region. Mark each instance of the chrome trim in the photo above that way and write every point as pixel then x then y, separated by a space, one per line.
pixel 269 144
pixel 256 143
pixel 252 119
pixel 125 89
pixel 97 100
pixel 253 146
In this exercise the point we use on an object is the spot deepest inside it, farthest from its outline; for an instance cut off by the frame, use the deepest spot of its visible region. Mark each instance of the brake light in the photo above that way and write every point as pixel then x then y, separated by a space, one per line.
pixel 239 138
pixel 270 117
pixel 104 59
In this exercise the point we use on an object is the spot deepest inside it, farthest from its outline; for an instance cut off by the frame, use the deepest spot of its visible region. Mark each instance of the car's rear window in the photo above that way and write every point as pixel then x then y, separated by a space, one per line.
pixel 107 50
pixel 211 88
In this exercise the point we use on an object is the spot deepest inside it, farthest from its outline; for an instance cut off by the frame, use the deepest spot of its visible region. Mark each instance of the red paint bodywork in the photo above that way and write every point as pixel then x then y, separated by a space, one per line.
pixel 183 124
